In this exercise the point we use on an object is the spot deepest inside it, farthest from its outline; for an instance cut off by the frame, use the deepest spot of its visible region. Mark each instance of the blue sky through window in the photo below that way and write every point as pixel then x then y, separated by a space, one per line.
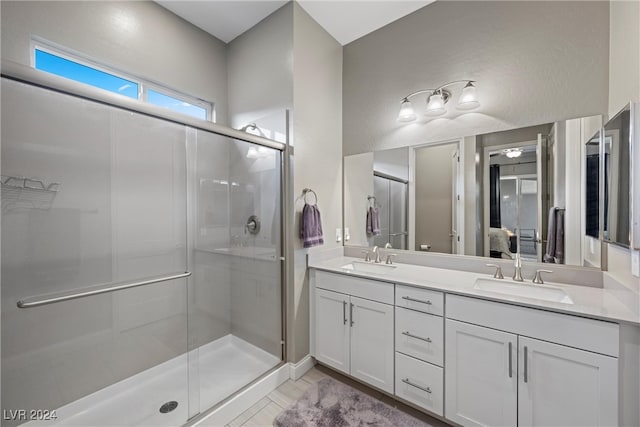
pixel 72 70
pixel 162 100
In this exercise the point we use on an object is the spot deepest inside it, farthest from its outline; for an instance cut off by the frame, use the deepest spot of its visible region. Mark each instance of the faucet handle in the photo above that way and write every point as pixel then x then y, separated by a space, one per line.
pixel 537 279
pixel 498 273
pixel 389 256
pixel 367 256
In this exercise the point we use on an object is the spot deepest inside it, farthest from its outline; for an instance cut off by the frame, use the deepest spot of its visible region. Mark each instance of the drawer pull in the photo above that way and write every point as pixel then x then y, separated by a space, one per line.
pixel 417 300
pixel 410 335
pixel 406 381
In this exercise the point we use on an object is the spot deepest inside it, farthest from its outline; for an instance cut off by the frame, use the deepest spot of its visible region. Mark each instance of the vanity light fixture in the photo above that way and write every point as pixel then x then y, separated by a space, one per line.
pixel 512 153
pixel 437 98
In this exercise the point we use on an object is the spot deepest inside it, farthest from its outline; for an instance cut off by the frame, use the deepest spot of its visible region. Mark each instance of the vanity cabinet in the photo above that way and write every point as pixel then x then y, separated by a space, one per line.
pixel 481 376
pixel 501 369
pixel 560 385
pixel 332 329
pixel 419 339
pixel 354 332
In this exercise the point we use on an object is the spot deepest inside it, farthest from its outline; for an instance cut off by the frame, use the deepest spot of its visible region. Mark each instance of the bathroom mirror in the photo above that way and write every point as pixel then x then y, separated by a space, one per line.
pixel 488 195
pixel 617 163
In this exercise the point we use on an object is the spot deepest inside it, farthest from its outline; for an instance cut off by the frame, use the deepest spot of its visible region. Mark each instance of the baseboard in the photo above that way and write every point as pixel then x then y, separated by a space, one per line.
pixel 231 409
pixel 302 367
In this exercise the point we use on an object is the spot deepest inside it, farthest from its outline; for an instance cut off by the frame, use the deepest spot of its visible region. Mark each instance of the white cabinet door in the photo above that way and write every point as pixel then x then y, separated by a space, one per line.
pixel 332 329
pixel 564 386
pixel 372 343
pixel 480 375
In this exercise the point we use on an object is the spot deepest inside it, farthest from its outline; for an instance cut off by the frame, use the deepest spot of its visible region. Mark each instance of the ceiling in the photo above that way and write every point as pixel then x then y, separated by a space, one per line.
pixel 345 20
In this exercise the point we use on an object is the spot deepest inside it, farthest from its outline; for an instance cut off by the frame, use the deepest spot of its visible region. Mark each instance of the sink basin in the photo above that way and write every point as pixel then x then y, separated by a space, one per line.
pixel 542 292
pixel 368 267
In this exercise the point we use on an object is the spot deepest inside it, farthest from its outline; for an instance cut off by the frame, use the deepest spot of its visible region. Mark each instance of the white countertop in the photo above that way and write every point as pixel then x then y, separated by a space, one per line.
pixel 589 302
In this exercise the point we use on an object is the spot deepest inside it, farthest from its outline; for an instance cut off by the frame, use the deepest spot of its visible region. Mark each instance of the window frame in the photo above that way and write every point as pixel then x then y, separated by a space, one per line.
pixel 143 84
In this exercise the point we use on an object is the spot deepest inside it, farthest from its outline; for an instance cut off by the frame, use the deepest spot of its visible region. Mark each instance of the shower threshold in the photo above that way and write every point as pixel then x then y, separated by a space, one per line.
pixel 222 367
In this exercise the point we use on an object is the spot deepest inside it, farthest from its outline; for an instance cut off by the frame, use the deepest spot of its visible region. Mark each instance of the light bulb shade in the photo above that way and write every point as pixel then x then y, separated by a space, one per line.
pixel 512 153
pixel 469 98
pixel 406 112
pixel 252 153
pixel 435 105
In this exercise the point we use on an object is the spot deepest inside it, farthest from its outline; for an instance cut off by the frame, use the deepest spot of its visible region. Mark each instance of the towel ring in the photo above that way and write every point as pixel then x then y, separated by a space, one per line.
pixel 305 192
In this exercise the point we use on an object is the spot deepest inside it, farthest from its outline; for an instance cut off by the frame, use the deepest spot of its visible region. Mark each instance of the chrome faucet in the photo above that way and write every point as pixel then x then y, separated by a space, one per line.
pixel 498 273
pixel 376 252
pixel 517 274
pixel 537 279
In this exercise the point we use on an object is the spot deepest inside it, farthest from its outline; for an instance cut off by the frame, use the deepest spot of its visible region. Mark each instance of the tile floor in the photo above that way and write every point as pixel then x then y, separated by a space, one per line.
pixel 266 410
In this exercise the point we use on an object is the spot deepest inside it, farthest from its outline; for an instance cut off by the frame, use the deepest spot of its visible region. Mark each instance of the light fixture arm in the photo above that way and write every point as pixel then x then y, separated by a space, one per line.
pixel 418 92
pixel 432 91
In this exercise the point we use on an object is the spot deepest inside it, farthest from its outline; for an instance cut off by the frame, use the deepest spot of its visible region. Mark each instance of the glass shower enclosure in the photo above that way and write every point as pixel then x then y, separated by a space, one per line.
pixel 141 263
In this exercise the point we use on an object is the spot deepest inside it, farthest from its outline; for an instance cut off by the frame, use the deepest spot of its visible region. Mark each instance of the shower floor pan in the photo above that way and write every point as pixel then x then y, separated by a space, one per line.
pixel 223 367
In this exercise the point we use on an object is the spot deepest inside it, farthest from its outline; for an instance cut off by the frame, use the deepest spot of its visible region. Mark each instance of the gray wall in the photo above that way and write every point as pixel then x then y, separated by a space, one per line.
pixel 317 128
pixel 260 72
pixel 140 38
pixel 535 62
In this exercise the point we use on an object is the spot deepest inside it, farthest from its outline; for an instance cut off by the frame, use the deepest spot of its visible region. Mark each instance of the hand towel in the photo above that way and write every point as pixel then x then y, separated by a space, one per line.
pixel 555 237
pixel 373 222
pixel 550 254
pixel 560 236
pixel 311 226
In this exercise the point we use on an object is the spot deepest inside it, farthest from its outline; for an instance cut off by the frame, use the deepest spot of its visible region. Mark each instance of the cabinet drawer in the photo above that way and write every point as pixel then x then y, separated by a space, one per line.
pixel 588 334
pixel 368 289
pixel 424 300
pixel 420 335
pixel 419 383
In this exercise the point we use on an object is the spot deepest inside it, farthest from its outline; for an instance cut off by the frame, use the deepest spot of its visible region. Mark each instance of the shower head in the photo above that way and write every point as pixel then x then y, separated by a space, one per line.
pixel 249 126
pixel 253 127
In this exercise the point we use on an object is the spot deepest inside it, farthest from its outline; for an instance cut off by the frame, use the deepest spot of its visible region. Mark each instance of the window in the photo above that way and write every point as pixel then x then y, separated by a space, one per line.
pixel 60 66
pixel 175 104
pixel 65 65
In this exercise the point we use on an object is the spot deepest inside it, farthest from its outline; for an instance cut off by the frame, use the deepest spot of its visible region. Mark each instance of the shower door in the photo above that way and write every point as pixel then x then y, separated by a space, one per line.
pixel 235 310
pixel 93 199
pixel 141 264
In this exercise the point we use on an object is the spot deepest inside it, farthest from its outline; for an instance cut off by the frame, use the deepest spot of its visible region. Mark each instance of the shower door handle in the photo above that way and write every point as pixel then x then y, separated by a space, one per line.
pixel 96 290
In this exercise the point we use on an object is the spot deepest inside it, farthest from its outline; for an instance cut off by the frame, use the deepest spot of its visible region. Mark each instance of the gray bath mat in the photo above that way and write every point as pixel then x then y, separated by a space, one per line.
pixel 329 403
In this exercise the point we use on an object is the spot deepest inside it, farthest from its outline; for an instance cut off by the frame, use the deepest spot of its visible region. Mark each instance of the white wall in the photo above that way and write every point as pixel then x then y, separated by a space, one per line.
pixel 358 183
pixel 317 129
pixel 392 162
pixel 535 62
pixel 140 38
pixel 624 86
pixel 468 160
